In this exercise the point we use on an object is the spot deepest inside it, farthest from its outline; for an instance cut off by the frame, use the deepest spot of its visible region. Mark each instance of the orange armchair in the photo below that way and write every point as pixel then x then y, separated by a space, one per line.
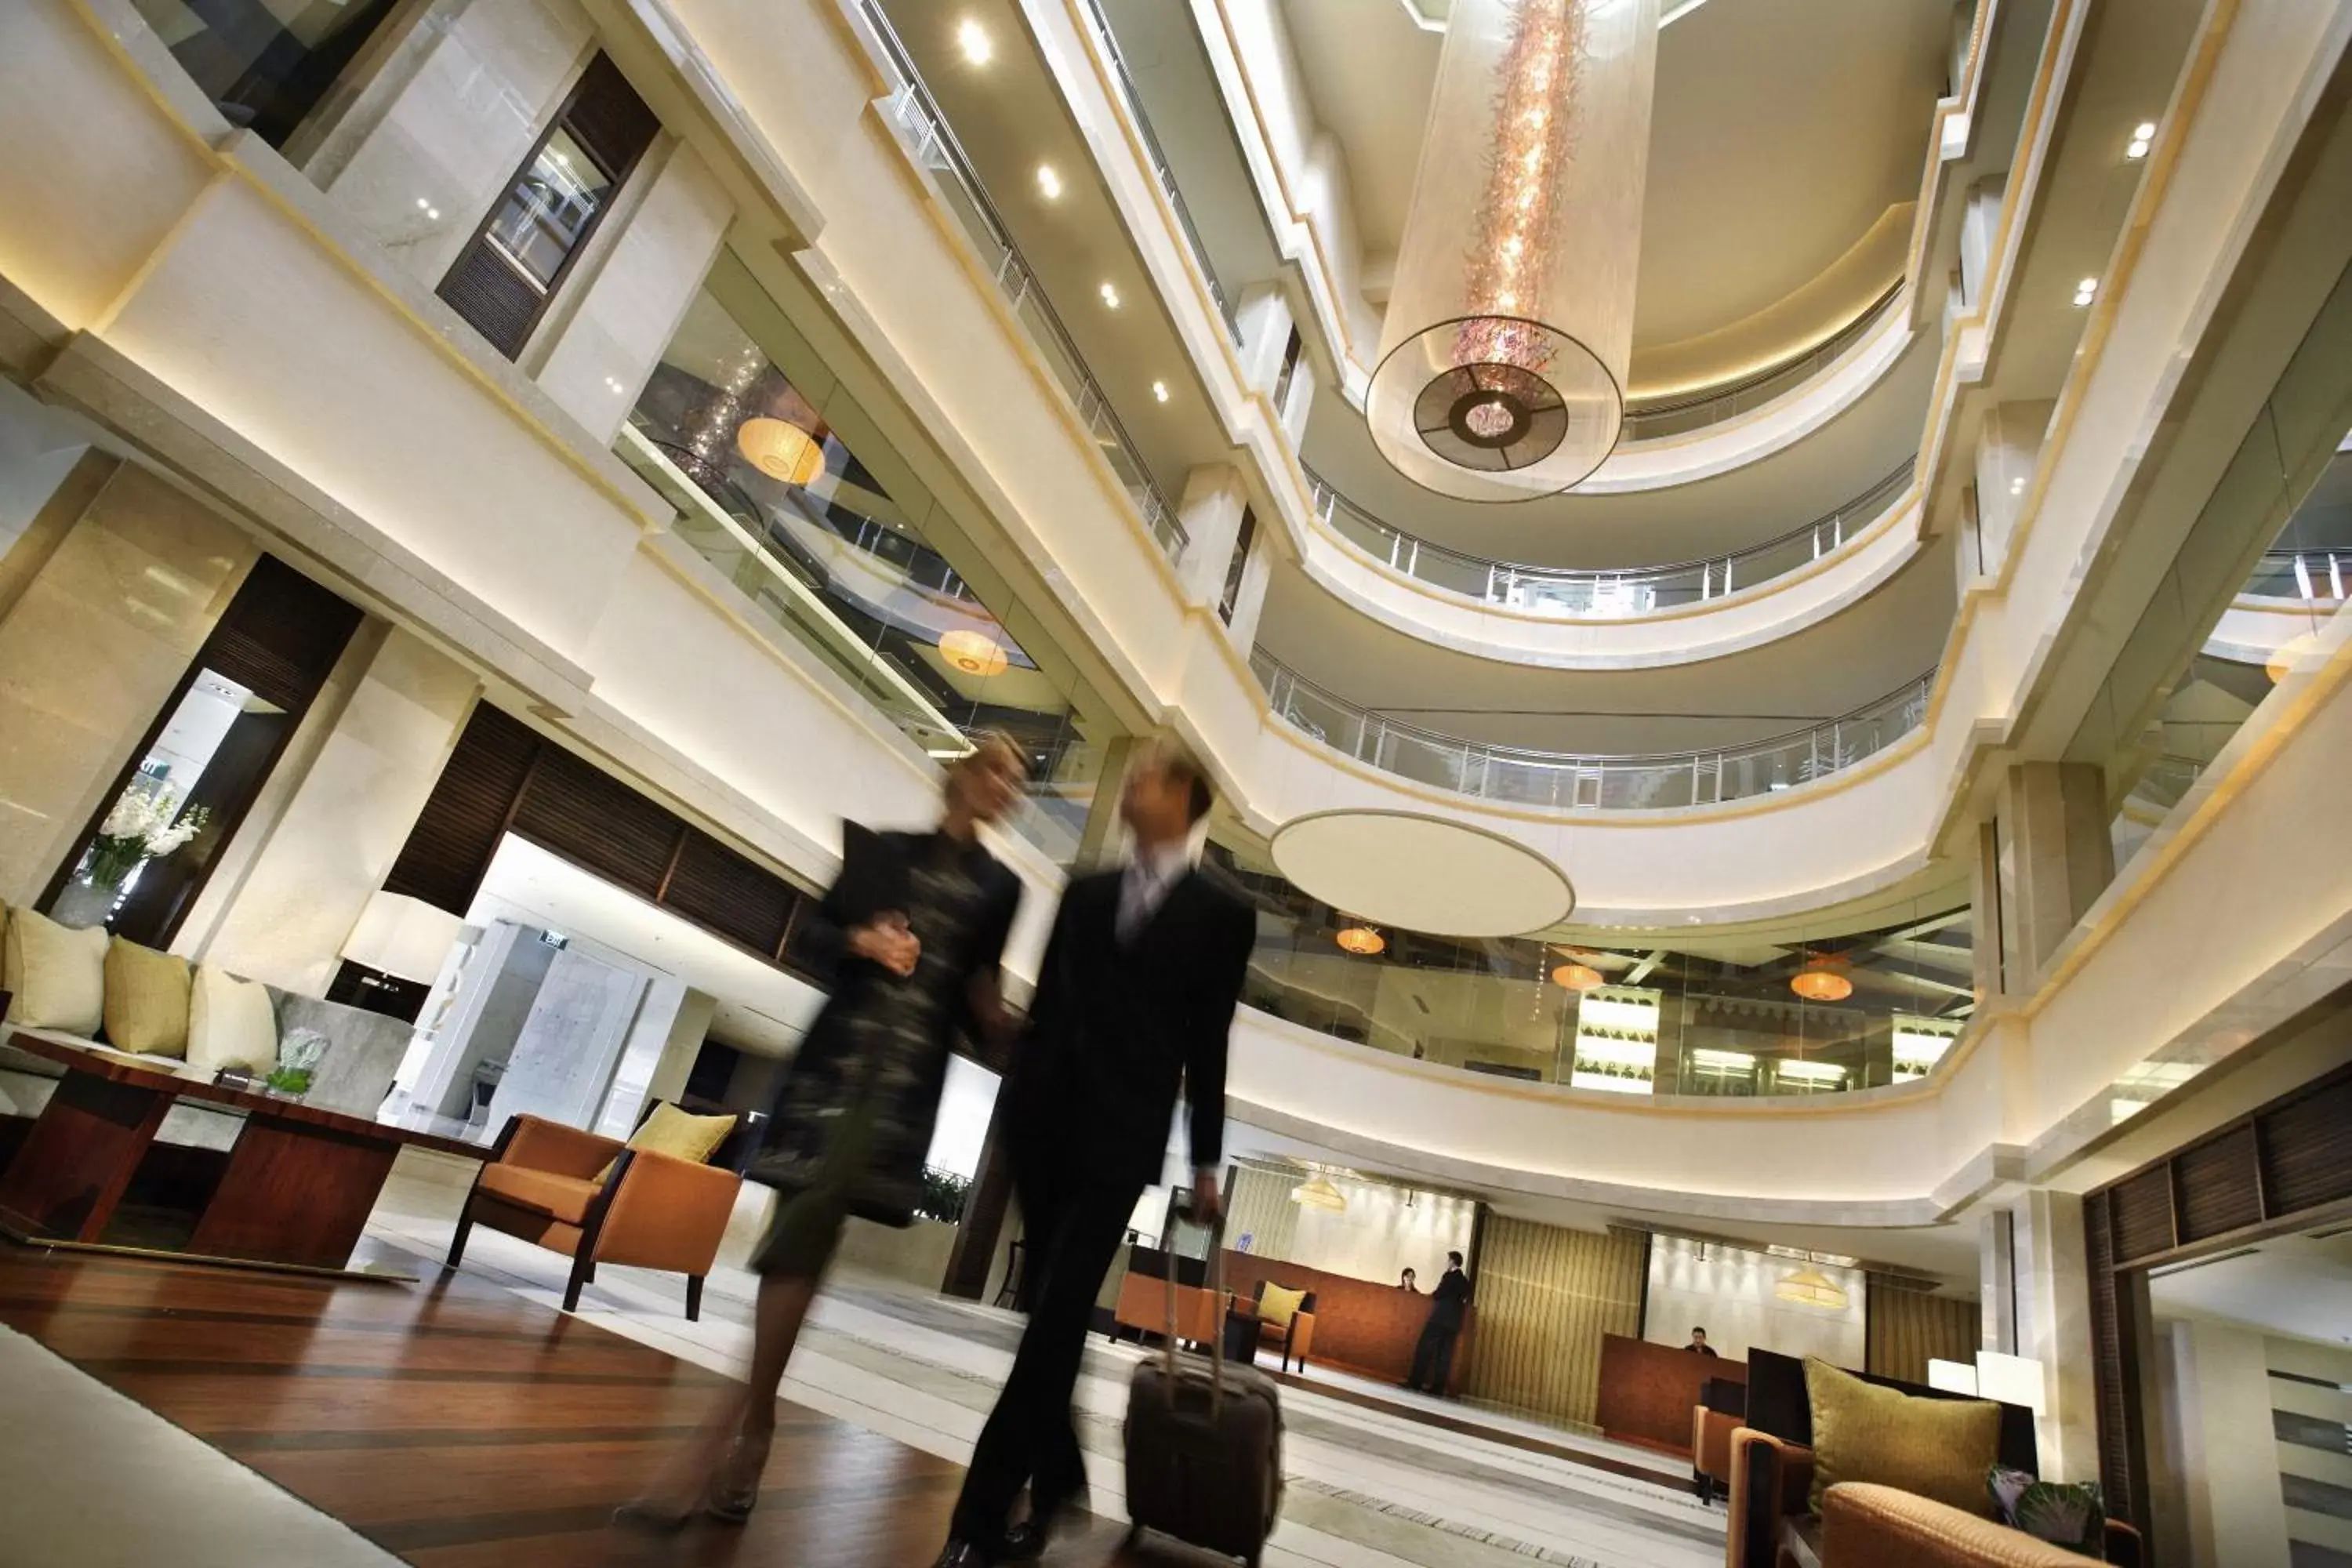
pixel 649 1211
pixel 1865 1526
pixel 1294 1338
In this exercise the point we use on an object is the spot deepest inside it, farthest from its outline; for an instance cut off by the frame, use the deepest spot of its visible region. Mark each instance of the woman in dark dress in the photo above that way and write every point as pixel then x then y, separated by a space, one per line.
pixel 912 933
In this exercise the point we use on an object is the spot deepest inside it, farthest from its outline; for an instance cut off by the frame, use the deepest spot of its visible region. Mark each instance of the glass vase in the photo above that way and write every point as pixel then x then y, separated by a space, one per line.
pixel 84 902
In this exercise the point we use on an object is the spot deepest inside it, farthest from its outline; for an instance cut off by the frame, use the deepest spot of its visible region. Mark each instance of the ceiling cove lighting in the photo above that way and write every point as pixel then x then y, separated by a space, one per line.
pixel 2142 137
pixel 972 39
pixel 1361 940
pixel 1049 182
pixel 1509 327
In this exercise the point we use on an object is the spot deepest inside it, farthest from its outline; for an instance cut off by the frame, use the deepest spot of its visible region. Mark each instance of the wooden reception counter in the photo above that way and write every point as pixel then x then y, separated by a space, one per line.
pixel 1648 1391
pixel 1360 1327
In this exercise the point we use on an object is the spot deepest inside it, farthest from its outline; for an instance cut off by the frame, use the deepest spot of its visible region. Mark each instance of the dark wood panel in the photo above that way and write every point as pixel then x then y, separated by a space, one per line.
pixel 608 119
pixel 2219 1186
pixel 2142 1209
pixel 294 1194
pixel 2307 1149
pixel 721 892
pixel 280 635
pixel 597 822
pixel 449 849
pixel 72 1167
pixel 1648 1391
pixel 2108 1392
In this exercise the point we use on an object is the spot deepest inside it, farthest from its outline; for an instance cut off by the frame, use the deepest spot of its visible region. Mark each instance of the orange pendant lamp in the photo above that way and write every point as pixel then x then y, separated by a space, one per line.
pixel 1822 979
pixel 1361 940
pixel 1577 972
pixel 781 450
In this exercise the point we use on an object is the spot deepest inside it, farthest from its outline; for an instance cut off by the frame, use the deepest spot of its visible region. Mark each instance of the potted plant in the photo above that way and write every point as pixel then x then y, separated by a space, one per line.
pixel 144 824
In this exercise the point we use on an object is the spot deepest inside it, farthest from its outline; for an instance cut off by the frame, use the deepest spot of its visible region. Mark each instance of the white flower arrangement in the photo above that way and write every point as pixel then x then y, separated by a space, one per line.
pixel 144 826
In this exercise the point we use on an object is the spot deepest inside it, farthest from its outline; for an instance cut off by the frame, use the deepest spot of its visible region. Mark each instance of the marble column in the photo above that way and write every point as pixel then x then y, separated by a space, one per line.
pixel 1214 498
pixel 1265 322
pixel 1996 1280
pixel 114 601
pixel 315 847
pixel 1104 837
pixel 608 328
pixel 2055 856
pixel 425 144
pixel 2009 448
pixel 2054 1328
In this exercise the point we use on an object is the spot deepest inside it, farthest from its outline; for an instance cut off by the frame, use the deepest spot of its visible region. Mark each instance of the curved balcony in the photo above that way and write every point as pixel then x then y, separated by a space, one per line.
pixel 1619 619
pixel 1521 776
pixel 1656 419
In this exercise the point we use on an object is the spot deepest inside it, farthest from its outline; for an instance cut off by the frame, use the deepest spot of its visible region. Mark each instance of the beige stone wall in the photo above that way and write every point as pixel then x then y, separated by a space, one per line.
pixel 91 647
pixel 332 820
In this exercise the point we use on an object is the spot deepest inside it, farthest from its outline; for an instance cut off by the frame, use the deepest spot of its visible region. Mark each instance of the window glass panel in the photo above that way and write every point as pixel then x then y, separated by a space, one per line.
pixel 264 63
pixel 550 208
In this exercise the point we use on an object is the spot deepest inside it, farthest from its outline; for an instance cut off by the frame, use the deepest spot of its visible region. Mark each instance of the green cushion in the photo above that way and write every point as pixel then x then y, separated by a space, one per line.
pixel 1938 1449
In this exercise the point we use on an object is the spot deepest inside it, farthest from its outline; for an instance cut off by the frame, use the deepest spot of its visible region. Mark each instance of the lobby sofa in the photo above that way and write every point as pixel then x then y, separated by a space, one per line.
pixel 1772 1524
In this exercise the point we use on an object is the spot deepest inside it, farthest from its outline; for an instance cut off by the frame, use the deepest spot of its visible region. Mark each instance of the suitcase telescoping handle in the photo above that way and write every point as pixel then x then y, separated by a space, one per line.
pixel 1217 1328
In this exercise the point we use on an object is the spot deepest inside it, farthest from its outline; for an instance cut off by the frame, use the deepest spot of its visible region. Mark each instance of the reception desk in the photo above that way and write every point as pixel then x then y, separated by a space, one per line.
pixel 1648 1391
pixel 1361 1327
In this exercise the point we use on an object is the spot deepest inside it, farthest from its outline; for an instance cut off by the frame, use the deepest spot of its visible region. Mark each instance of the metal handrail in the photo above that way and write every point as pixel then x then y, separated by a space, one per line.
pixel 937 151
pixel 1588 593
pixel 1523 775
pixel 2318 574
pixel 1162 169
pixel 1651 418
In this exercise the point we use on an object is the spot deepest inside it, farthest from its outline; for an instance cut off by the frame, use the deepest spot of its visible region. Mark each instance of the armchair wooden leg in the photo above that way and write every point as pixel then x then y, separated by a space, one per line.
pixel 583 1269
pixel 465 1230
pixel 694 1297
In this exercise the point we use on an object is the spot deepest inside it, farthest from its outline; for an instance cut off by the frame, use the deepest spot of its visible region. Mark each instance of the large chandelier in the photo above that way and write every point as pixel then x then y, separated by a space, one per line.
pixel 1510 318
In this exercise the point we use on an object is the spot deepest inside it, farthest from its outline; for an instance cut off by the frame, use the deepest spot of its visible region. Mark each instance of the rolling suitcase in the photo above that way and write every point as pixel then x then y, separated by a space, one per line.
pixel 1204 1443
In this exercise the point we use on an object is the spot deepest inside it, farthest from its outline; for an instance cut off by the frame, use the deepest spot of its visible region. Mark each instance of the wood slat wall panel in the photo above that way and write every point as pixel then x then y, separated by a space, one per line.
pixel 2142 1209
pixel 450 846
pixel 2219 1186
pixel 597 822
pixel 1545 1295
pixel 1910 1328
pixel 2106 1356
pixel 2307 1149
pixel 721 890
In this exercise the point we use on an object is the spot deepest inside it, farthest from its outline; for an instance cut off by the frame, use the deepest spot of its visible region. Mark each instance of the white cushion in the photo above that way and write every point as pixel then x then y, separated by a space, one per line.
pixel 57 975
pixel 230 1024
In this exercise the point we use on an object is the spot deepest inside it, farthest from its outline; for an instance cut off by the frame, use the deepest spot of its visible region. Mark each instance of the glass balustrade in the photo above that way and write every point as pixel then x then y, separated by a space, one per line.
pixel 1522 777
pixel 1604 595
pixel 2315 575
pixel 828 543
pixel 1162 171
pixel 1735 1018
pixel 935 150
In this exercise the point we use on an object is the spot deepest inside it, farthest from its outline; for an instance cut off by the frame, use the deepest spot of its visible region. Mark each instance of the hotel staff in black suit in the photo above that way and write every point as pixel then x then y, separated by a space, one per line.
pixel 1135 998
pixel 1433 1358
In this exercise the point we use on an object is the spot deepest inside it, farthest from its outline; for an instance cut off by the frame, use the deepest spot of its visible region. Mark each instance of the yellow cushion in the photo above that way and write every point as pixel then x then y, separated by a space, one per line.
pixel 230 1023
pixel 678 1133
pixel 147 995
pixel 56 974
pixel 1937 1448
pixel 1279 1306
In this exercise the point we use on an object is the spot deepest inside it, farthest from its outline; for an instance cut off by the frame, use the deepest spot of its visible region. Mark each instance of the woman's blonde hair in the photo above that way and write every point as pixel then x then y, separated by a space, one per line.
pixel 993 746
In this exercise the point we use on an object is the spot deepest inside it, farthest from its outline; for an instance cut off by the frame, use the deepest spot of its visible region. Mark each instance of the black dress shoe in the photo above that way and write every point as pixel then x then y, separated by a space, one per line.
pixel 962 1554
pixel 1023 1542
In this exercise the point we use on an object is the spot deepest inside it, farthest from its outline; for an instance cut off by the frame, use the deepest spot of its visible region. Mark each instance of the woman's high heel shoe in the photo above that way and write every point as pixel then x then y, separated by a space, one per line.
pixel 735 1485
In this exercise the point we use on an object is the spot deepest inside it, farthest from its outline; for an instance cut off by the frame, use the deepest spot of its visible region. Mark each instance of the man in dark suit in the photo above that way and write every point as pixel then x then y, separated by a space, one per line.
pixel 1433 1358
pixel 1134 1000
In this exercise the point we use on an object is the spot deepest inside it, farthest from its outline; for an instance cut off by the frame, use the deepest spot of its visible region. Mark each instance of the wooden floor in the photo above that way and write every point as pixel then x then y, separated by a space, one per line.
pixel 454 1423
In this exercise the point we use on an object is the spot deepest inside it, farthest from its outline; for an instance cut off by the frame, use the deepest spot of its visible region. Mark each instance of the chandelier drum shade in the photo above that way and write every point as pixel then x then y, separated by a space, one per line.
pixel 781 450
pixel 1510 318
